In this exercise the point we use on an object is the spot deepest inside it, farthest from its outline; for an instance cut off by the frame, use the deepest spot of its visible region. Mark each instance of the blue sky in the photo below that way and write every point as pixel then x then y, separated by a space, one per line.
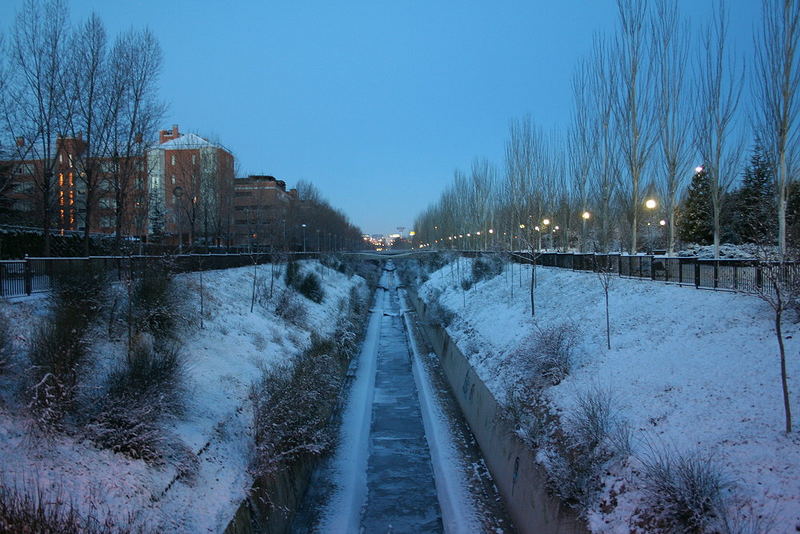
pixel 375 102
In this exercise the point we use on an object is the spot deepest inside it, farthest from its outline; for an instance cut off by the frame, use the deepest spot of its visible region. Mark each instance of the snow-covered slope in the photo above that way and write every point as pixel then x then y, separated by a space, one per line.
pixel 688 369
pixel 224 358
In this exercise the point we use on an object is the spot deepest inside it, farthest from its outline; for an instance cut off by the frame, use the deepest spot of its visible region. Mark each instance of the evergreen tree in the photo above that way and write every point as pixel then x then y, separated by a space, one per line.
pixel 754 204
pixel 695 219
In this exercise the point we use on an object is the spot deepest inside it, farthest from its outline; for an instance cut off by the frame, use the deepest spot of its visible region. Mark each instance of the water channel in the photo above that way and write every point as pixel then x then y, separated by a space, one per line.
pixel 383 475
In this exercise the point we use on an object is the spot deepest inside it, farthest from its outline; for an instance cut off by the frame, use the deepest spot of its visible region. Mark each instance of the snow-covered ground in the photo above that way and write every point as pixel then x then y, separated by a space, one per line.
pixel 690 370
pixel 224 358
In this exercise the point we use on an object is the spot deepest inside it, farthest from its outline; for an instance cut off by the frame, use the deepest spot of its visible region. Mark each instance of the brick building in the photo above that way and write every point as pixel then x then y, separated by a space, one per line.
pixel 191 188
pixel 262 209
pixel 25 199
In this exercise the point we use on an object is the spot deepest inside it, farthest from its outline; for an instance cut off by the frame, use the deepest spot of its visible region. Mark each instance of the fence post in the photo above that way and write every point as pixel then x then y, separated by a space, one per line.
pixel 759 276
pixel 716 274
pixel 696 274
pixel 28 276
pixel 652 268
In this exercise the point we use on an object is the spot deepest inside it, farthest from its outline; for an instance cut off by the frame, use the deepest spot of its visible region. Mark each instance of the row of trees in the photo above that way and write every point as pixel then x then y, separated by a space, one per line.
pixel 641 121
pixel 316 225
pixel 60 80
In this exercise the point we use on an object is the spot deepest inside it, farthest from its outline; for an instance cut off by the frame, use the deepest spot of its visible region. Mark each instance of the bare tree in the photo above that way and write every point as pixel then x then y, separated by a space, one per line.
pixel 35 106
pixel 581 142
pixel 633 111
pixel 775 95
pixel 779 290
pixel 670 52
pixel 719 86
pixel 90 92
pixel 136 64
pixel 603 93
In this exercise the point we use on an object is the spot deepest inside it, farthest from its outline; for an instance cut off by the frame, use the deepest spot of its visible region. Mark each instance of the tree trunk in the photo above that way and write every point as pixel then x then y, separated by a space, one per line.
pixel 784 381
pixel 608 321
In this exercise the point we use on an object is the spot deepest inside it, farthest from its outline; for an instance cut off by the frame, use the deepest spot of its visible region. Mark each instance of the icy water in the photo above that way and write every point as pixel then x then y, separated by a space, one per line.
pixel 400 485
pixel 381 478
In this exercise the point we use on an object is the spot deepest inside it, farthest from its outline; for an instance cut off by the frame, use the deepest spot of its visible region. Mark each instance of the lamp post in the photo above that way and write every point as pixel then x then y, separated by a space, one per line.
pixel 585 216
pixel 303 226
pixel 651 205
pixel 546 223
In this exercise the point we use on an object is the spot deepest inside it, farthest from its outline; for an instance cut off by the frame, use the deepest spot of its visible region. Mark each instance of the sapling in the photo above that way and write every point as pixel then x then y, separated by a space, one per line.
pixel 605 276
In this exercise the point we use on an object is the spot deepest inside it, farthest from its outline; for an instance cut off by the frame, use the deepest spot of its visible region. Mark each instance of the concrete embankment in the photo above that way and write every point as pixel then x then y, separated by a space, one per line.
pixel 519 478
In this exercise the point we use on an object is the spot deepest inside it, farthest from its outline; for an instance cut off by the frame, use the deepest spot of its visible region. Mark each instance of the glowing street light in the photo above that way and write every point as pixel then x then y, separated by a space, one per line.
pixel 698 169
pixel 586 215
pixel 650 203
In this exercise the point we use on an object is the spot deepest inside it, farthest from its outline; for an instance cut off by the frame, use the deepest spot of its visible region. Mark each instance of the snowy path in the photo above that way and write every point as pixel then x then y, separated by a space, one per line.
pixel 397 467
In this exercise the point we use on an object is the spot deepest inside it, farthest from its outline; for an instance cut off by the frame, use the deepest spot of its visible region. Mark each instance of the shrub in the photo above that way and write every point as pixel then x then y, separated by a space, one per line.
pixel 139 395
pixel 289 307
pixel 154 302
pixel 5 345
pixel 589 440
pixel 58 350
pixel 28 508
pixel 466 284
pixel 311 288
pixel 292 406
pixel 292 275
pixel 553 351
pixel 684 490
pixel 487 267
pixel 437 312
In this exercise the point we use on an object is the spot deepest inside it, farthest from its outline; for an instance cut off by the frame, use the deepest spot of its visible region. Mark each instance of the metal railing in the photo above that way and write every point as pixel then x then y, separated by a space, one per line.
pixel 36 275
pixel 743 275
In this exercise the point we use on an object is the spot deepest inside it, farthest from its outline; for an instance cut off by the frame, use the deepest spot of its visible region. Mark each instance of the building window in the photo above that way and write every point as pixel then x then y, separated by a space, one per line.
pixel 173 179
pixel 173 159
pixel 194 159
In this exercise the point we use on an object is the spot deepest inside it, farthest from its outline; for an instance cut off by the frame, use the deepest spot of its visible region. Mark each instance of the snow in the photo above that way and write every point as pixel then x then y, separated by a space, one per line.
pixel 342 513
pixel 224 358
pixel 691 370
pixel 458 510
pixel 186 141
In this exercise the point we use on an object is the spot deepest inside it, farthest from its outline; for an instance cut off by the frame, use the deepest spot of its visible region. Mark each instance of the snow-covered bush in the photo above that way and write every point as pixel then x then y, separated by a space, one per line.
pixel 289 307
pixel 311 288
pixel 154 301
pixel 684 491
pixel 436 311
pixel 145 390
pixel 487 267
pixel 5 344
pixel 292 274
pixel 553 351
pixel 589 437
pixel 27 507
pixel 58 350
pixel 292 405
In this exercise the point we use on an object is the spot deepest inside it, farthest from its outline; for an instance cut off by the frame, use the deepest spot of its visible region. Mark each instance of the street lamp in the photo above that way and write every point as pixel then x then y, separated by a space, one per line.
pixel 650 204
pixel 303 226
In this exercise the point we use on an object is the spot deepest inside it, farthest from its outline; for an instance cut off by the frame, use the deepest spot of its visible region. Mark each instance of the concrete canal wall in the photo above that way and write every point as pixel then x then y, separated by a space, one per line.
pixel 519 478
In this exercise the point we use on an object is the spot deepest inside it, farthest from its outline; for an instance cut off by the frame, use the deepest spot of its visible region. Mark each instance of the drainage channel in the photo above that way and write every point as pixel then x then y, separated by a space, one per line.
pixel 397 466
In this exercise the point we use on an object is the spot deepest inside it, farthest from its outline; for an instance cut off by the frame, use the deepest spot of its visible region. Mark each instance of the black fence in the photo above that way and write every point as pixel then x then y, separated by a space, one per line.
pixel 35 275
pixel 744 275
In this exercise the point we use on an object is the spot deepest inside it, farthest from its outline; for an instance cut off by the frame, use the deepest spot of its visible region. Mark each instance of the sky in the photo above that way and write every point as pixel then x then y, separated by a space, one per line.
pixel 374 102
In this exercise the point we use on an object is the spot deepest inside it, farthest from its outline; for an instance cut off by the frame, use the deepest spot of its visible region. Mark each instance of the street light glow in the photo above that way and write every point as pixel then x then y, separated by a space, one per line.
pixel 662 222
pixel 546 222
pixel 650 204
pixel 586 215
pixel 699 168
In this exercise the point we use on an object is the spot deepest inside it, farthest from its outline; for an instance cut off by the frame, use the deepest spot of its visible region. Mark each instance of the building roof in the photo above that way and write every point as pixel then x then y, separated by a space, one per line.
pixel 187 141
